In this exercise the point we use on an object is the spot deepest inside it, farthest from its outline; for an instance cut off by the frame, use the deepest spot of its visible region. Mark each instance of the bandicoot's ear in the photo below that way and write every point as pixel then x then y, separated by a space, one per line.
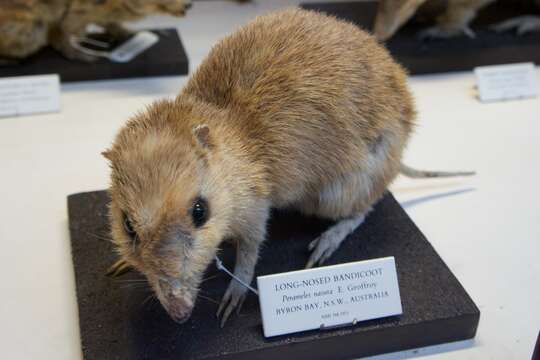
pixel 202 135
pixel 107 154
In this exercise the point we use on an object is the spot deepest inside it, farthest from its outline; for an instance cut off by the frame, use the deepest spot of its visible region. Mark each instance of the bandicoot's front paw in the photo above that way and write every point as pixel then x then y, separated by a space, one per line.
pixel 233 299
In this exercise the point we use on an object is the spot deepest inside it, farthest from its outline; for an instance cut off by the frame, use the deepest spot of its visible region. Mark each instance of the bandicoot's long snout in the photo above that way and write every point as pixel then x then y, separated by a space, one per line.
pixel 179 310
pixel 177 304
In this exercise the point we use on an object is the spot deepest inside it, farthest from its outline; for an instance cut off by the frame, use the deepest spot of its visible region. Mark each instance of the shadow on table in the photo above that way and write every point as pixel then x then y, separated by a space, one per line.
pixel 422 199
pixel 425 351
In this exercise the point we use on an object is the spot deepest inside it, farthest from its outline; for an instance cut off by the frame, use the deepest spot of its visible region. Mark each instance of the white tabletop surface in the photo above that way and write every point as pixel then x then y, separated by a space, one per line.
pixel 486 228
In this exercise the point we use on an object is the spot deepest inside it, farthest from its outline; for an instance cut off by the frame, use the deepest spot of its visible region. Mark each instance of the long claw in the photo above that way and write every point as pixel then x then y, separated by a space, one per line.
pixel 312 261
pixel 322 248
pixel 328 242
pixel 226 314
pixel 240 304
pixel 312 244
pixel 233 298
pixel 223 304
pixel 319 254
pixel 118 268
pixel 325 256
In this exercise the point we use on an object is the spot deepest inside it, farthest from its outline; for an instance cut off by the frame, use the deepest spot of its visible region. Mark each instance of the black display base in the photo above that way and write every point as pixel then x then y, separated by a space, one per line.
pixel 167 57
pixel 118 321
pixel 445 55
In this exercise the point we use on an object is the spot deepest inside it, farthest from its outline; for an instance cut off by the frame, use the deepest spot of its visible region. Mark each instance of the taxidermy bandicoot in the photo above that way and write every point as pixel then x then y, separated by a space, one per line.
pixel 452 17
pixel 295 109
pixel 26 26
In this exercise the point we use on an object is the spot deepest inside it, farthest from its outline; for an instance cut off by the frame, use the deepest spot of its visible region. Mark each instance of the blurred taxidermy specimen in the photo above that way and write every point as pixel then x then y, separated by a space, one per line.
pixel 26 26
pixel 295 109
pixel 452 17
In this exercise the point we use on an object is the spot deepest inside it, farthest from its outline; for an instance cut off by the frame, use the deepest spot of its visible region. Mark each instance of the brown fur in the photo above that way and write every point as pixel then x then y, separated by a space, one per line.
pixel 26 26
pixel 295 109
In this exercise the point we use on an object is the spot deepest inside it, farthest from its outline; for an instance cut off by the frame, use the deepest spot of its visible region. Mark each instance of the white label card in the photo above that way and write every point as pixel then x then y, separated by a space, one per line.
pixel 137 44
pixel 328 296
pixel 506 82
pixel 24 95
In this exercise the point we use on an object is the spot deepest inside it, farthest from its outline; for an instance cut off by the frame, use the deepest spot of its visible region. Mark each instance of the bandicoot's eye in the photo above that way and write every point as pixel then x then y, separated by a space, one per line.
pixel 199 212
pixel 128 227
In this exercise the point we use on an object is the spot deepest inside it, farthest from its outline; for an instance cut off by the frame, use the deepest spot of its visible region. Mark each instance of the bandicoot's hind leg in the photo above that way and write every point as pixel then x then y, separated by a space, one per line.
pixel 350 197
pixel 347 200
pixel 329 241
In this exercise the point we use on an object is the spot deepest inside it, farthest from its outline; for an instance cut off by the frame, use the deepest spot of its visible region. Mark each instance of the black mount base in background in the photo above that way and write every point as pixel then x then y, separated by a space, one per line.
pixel 166 57
pixel 444 55
pixel 118 321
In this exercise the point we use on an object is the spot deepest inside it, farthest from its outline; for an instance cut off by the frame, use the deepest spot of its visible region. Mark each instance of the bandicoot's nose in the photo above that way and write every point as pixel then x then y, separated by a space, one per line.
pixel 179 309
pixel 175 301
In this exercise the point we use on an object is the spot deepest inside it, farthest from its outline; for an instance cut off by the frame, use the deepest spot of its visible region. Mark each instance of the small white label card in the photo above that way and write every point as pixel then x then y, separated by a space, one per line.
pixel 137 44
pixel 24 95
pixel 506 82
pixel 328 296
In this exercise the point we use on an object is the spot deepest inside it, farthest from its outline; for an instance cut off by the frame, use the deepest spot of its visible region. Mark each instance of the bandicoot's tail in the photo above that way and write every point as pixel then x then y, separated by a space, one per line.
pixel 421 174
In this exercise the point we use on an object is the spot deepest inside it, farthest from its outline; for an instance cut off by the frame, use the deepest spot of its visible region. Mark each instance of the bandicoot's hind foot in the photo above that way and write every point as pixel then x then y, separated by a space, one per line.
pixel 118 268
pixel 324 246
pixel 233 299
pixel 521 24
pixel 440 32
